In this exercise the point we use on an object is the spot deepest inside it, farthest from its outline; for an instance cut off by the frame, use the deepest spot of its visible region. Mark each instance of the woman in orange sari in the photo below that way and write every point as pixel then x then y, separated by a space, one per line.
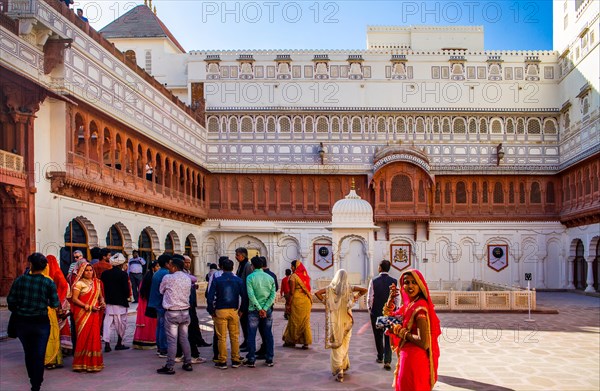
pixel 87 305
pixel 54 358
pixel 298 307
pixel 416 339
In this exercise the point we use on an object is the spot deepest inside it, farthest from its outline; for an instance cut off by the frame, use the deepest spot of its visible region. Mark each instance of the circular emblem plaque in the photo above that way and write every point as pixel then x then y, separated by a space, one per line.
pixel 497 252
pixel 323 251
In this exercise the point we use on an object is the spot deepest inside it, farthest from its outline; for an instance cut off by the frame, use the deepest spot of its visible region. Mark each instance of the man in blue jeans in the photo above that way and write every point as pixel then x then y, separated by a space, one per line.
pixel 155 301
pixel 30 296
pixel 223 303
pixel 261 296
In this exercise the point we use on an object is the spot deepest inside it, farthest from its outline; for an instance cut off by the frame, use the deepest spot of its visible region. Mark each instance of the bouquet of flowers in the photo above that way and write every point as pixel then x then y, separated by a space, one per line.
pixel 386 322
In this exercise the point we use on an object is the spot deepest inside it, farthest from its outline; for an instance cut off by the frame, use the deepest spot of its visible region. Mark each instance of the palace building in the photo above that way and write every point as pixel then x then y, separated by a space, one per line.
pixel 424 148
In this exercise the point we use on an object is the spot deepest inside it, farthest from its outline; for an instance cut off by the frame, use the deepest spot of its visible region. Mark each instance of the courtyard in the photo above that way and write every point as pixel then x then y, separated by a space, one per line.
pixel 479 351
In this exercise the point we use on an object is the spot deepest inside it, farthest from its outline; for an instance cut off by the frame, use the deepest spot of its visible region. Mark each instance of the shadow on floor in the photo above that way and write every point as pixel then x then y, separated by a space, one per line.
pixel 471 384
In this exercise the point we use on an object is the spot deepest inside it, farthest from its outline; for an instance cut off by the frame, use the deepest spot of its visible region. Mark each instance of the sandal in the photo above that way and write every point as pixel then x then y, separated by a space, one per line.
pixel 340 377
pixel 304 347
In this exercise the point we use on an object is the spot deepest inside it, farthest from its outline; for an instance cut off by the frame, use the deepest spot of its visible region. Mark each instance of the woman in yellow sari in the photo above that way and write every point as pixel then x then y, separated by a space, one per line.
pixel 298 307
pixel 52 271
pixel 339 298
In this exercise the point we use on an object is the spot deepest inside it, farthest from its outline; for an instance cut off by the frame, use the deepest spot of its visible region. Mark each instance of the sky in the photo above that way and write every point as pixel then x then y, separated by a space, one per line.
pixel 282 24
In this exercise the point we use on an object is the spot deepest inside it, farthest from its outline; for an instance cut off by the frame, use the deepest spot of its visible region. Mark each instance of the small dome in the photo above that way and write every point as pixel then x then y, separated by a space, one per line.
pixel 352 212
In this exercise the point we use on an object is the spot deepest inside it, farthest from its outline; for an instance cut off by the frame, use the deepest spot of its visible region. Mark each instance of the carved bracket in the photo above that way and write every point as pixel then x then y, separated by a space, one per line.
pixel 54 51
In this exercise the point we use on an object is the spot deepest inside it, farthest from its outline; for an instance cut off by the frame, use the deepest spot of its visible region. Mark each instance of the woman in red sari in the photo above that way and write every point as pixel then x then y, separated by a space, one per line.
pixel 416 339
pixel 145 326
pixel 87 305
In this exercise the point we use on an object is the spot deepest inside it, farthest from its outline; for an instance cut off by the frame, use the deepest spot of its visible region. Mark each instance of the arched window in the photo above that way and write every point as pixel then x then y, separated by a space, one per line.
pixel 474 196
pixel 484 191
pixel 446 125
pixel 461 193
pixel 401 189
pixel 421 191
pixel 549 127
pixel 521 193
pixel 169 244
pixel 247 194
pixel 285 125
pixel 285 195
pixel 79 135
pixel 215 193
pixel 335 125
pixel 233 125
pixel 448 193
pixel 114 240
pixel 381 125
pixel 213 125
pixel 107 148
pixel 246 125
pixel 75 239
pixel 297 125
pixel 234 195
pixel 498 193
pixel 496 126
pixel 533 126
pixel 309 125
pixel 271 125
pixel 356 125
pixel 472 126
pixel 483 126
pixel 145 246
pixel 510 126
pixel 550 193
pixel 260 125
pixel 322 125
pixel 400 126
pixel 535 197
pixel 189 251
pixel 420 125
pixel 459 126
pixel 436 125
pixel 511 193
pixel 381 191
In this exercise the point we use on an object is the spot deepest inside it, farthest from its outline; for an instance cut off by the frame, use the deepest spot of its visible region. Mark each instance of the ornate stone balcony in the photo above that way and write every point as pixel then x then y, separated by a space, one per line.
pixel 12 169
pixel 95 182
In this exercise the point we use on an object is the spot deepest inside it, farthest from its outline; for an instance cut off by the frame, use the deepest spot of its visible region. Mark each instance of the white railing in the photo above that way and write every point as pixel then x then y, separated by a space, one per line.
pixel 483 300
pixel 10 161
pixel 505 299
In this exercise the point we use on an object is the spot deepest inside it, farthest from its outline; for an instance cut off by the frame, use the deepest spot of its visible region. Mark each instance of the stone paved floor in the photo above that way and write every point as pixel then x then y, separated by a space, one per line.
pixel 495 352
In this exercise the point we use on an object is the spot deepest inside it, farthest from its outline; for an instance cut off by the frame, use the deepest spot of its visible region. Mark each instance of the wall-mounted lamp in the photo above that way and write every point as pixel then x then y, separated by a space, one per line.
pixel 499 154
pixel 321 152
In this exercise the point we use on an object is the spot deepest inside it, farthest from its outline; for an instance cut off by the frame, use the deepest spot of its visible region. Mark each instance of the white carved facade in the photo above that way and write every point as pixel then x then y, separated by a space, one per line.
pixel 267 112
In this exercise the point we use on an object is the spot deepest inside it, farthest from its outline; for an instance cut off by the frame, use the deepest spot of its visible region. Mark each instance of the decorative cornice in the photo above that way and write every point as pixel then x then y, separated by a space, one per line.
pixel 288 109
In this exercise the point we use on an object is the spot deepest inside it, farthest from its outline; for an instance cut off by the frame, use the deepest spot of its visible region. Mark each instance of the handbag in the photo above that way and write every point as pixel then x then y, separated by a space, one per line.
pixel 151 312
pixel 11 329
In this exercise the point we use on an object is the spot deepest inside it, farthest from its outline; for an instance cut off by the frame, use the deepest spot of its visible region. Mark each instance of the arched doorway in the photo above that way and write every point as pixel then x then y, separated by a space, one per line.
pixel 189 251
pixel 353 258
pixel 145 247
pixel 76 238
pixel 580 267
pixel 114 241
pixel 594 252
pixel 170 244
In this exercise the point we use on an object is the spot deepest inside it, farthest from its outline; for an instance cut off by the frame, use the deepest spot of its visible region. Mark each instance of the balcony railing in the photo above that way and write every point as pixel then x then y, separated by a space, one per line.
pixel 10 161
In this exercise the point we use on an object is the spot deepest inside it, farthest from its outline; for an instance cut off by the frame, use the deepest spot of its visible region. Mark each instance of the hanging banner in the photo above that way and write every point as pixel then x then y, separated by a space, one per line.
pixel 323 255
pixel 400 256
pixel 497 256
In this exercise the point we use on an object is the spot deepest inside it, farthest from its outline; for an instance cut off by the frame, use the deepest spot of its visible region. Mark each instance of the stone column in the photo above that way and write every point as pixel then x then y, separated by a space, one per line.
pixel 570 271
pixel 590 275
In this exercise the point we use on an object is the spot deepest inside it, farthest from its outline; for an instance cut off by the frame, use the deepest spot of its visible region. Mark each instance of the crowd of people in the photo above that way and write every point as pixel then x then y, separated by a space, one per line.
pixel 94 298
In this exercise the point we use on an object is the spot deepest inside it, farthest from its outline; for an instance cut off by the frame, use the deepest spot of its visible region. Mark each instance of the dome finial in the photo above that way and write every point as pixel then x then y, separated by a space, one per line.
pixel 146 3
pixel 353 184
